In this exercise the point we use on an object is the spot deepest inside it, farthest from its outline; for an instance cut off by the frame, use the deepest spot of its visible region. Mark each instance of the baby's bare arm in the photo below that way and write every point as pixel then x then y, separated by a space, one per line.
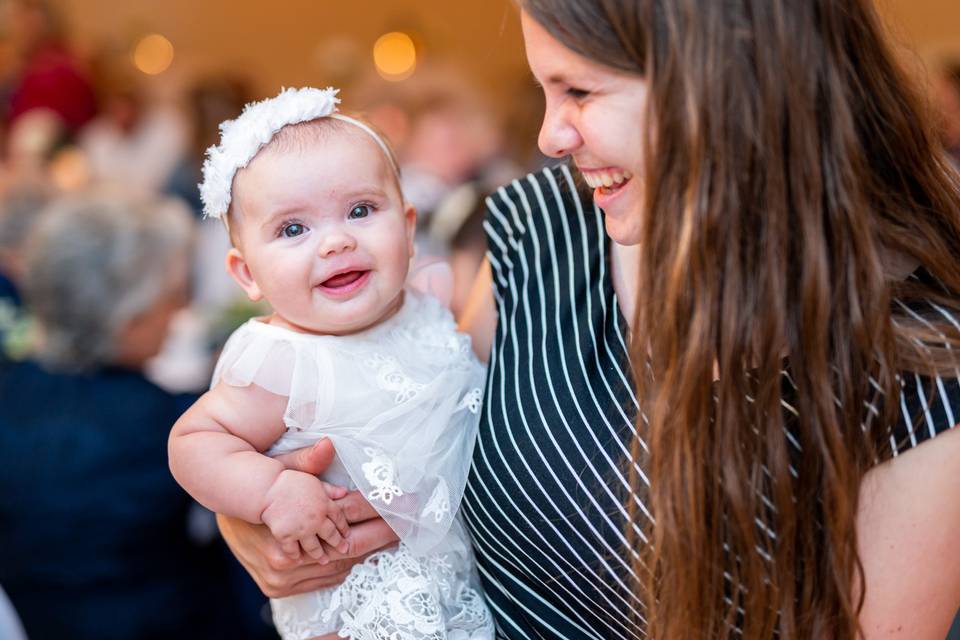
pixel 215 449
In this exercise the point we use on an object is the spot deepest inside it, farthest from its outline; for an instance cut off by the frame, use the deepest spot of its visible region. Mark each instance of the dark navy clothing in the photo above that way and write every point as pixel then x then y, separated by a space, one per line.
pixel 8 291
pixel 93 537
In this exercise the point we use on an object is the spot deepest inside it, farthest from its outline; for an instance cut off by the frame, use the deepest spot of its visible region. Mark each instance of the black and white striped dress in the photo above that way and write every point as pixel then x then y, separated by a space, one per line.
pixel 545 501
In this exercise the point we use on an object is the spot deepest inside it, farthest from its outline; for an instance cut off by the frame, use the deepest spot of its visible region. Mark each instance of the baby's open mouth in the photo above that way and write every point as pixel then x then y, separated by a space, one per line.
pixel 343 280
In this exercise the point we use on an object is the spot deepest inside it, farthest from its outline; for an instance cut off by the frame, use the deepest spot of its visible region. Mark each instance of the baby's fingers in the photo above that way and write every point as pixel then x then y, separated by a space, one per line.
pixel 313 547
pixel 290 549
pixel 328 531
pixel 335 492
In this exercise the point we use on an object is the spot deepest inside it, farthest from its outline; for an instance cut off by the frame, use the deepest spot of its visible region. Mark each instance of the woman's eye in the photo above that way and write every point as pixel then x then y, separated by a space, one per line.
pixel 359 211
pixel 577 94
pixel 292 230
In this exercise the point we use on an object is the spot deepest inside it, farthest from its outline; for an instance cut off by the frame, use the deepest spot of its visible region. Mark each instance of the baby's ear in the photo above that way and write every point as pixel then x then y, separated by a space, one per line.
pixel 239 270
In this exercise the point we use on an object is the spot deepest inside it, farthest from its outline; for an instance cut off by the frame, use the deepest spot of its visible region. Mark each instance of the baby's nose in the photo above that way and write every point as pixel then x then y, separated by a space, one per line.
pixel 335 243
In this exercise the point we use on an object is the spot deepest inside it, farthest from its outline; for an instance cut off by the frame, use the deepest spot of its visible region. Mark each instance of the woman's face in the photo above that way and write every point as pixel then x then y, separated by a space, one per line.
pixel 596 115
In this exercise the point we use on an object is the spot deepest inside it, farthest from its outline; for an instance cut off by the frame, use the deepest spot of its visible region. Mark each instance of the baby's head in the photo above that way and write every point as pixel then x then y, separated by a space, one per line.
pixel 319 225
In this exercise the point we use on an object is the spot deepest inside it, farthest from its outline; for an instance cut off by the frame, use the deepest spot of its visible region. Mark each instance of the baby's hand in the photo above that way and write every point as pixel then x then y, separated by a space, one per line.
pixel 301 513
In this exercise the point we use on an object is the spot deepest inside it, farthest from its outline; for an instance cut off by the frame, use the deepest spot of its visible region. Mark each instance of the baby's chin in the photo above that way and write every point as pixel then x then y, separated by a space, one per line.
pixel 341 323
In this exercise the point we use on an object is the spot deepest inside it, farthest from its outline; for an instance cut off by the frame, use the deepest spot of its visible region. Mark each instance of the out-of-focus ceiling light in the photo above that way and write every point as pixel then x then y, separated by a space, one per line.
pixel 395 56
pixel 153 54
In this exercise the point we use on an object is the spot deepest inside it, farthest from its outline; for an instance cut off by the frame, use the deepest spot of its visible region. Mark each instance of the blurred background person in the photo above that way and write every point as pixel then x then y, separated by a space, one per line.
pixel 139 136
pixel 41 71
pixel 94 539
pixel 19 210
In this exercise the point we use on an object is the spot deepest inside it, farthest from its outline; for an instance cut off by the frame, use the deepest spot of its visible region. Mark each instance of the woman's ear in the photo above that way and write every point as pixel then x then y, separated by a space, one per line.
pixel 239 270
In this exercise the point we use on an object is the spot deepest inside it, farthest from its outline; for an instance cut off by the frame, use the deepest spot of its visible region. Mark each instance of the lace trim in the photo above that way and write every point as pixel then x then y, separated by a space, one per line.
pixel 472 400
pixel 381 473
pixel 439 503
pixel 398 596
pixel 391 377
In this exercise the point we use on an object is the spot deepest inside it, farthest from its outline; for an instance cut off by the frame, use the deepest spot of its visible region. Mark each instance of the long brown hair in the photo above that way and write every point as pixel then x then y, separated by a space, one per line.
pixel 789 164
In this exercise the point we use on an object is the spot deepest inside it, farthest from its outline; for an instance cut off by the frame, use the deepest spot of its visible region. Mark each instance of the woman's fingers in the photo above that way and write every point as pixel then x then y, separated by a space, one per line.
pixel 339 518
pixel 309 577
pixel 365 538
pixel 356 508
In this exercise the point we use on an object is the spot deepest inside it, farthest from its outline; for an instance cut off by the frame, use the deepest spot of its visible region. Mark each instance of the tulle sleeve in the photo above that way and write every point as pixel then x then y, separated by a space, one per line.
pixel 284 363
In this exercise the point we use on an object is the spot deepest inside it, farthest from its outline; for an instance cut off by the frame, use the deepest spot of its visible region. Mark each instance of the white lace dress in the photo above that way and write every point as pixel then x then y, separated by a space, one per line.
pixel 401 404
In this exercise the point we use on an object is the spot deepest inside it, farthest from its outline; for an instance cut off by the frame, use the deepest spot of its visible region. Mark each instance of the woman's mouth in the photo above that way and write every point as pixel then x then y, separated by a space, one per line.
pixel 344 283
pixel 606 181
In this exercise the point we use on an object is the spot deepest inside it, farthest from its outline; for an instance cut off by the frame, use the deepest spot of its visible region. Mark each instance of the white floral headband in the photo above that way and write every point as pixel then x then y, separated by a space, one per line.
pixel 242 139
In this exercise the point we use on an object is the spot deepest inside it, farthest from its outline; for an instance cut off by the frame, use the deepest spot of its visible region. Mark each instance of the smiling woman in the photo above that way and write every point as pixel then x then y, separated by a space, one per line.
pixel 796 324
pixel 584 101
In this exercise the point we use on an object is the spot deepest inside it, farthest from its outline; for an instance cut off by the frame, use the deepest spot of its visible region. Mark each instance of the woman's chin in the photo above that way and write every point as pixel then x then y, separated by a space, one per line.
pixel 623 231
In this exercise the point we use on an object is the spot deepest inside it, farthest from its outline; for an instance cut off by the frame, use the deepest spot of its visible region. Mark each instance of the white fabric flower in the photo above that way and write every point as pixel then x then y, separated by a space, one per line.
pixel 242 139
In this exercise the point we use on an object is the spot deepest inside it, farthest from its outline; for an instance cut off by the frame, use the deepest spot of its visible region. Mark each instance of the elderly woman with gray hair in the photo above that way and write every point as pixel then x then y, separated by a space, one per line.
pixel 94 539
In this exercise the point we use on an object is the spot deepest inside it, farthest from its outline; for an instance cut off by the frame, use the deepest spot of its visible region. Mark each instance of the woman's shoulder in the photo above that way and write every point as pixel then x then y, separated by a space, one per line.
pixel 929 403
pixel 549 192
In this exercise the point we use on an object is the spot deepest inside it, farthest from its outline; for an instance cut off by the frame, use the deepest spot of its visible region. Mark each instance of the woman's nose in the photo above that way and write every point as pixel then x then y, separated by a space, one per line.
pixel 558 135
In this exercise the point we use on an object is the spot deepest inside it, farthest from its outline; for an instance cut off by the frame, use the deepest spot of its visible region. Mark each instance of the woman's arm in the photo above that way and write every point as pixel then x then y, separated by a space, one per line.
pixel 907 529
pixel 479 317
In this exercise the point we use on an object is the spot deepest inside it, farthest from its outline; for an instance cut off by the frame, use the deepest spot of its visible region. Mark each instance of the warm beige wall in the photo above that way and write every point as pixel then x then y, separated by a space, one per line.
pixel 929 27
pixel 277 42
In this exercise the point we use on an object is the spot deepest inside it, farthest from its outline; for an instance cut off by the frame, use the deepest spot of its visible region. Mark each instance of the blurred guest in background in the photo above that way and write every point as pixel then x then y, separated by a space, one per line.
pixel 19 210
pixel 138 138
pixel 211 100
pixel 94 539
pixel 43 73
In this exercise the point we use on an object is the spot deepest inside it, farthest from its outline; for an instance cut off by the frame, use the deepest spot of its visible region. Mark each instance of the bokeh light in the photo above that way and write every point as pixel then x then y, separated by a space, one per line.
pixel 153 54
pixel 395 56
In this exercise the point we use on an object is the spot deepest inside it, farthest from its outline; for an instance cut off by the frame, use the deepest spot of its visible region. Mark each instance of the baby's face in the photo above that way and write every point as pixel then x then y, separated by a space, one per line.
pixel 323 234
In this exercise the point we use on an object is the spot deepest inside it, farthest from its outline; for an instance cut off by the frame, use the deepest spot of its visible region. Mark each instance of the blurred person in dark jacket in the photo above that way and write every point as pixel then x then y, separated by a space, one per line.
pixel 93 530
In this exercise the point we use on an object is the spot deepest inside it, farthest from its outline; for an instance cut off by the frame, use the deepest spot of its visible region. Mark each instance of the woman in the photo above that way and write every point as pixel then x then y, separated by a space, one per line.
pixel 780 230
pixel 94 542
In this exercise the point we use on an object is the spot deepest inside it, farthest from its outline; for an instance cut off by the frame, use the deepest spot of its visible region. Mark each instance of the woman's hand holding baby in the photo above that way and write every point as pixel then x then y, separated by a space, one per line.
pixel 302 512
pixel 279 575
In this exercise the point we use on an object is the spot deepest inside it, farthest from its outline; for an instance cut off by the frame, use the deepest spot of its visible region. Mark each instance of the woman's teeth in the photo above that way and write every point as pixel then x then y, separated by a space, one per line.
pixel 612 179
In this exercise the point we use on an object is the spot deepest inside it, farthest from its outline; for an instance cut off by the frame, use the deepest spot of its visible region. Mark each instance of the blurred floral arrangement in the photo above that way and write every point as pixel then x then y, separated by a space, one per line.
pixel 17 335
pixel 230 317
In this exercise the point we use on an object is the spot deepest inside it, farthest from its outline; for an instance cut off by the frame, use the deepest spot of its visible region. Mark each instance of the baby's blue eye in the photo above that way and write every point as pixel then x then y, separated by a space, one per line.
pixel 359 211
pixel 292 230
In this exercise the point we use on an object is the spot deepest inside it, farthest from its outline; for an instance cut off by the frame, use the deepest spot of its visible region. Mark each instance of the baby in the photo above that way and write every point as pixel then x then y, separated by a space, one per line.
pixel 321 230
